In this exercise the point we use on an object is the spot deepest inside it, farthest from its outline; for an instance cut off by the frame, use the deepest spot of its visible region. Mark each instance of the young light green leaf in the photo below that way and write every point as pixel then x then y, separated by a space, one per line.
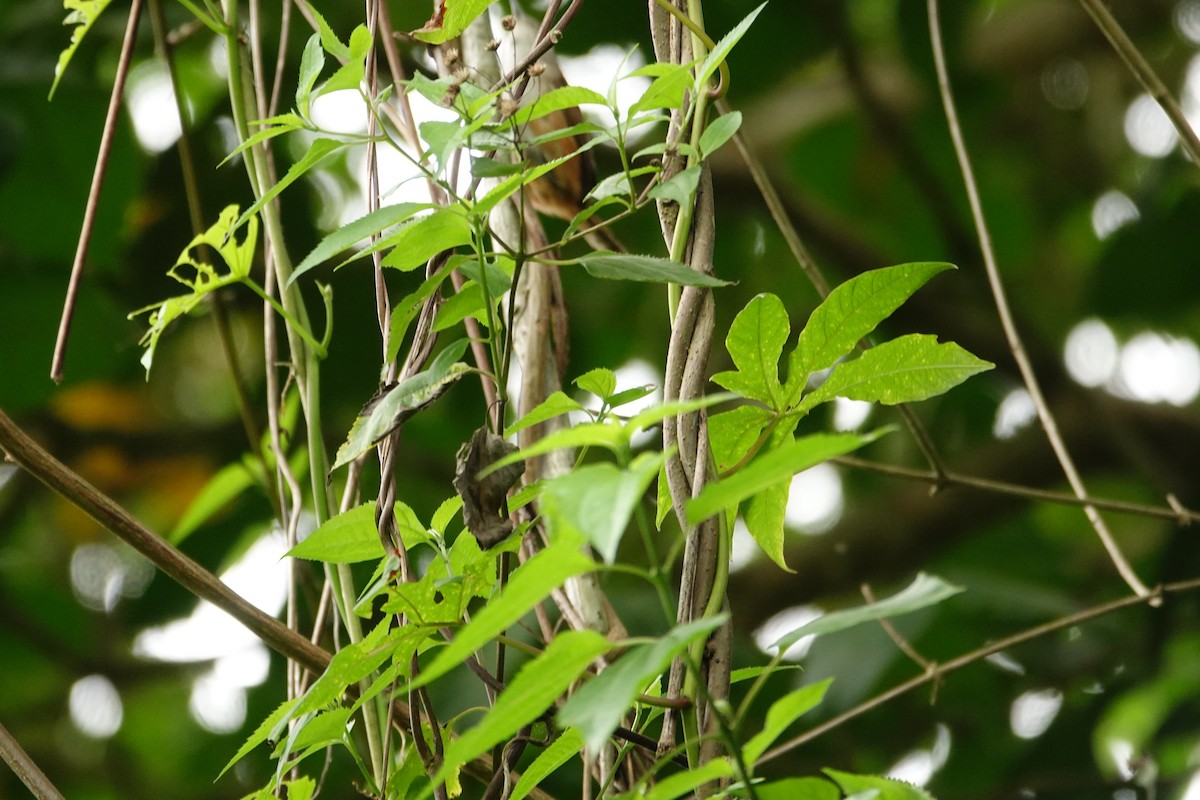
pixel 588 434
pixel 300 789
pixel 925 590
pixel 597 708
pixel 312 61
pixel 556 100
pixel 719 53
pixel 630 395
pixel 598 500
pixel 529 584
pixel 467 302
pixel 755 343
pixel 452 18
pixel 600 382
pixel 686 782
pixel 667 90
pixel 680 188
pixel 732 433
pixel 798 789
pixel 564 748
pixel 624 267
pixel 349 666
pixel 350 74
pixel 885 788
pixel 750 673
pixel 904 370
pixel 346 538
pixel 329 40
pixel 407 309
pixel 776 465
pixel 507 187
pixel 318 151
pixel 654 414
pixel 354 232
pixel 850 312
pixel 263 732
pixel 224 486
pixel 82 14
pixel 535 688
pixel 782 713
pixel 274 126
pixel 718 132
pixel 417 242
pixel 553 406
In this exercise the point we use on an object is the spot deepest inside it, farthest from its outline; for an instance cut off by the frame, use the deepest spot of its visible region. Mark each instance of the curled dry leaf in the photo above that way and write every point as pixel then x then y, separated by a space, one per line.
pixel 483 498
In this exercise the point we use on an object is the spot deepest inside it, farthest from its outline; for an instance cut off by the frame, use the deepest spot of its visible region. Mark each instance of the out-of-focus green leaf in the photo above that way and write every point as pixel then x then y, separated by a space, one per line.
pixel 651 269
pixel 782 713
pixel 228 483
pixel 886 788
pixel 82 14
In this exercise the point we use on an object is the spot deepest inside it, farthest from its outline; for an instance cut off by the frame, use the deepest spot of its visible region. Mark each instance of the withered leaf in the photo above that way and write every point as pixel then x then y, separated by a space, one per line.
pixel 483 498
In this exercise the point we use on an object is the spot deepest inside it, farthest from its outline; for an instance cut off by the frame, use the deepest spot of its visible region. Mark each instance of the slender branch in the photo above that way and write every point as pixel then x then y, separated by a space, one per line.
pixel 1145 74
pixel 1174 511
pixel 938 671
pixel 93 199
pixel 896 636
pixel 999 296
pixel 25 768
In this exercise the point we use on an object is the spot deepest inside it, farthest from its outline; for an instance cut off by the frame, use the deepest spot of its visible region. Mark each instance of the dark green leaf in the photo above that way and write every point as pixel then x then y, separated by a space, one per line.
pixel 354 232
pixel 418 241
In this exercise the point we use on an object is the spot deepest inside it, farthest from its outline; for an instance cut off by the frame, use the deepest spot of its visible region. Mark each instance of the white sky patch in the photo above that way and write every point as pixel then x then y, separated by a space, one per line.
pixel 342 111
pixel 1155 368
pixel 96 707
pixel 1187 20
pixel 919 766
pixel 1192 790
pixel 744 549
pixel 1015 412
pixel 216 706
pixel 849 415
pixel 150 99
pixel 1032 713
pixel 815 501
pixel 101 575
pixel 1006 662
pixel 1091 353
pixel 1112 211
pixel 783 623
pixel 595 70
pixel 1147 128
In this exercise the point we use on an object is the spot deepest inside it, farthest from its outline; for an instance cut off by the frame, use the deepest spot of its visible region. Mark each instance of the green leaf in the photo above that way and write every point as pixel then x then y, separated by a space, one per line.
pixel 456 16
pixel 507 187
pixel 778 464
pixel 318 151
pixel 563 749
pixel 732 433
pixel 622 267
pixel 597 708
pixel 535 688
pixel 312 61
pixel 228 483
pixel 598 500
pixel 885 788
pixel 630 395
pixel 798 789
pixel 276 126
pixel 904 370
pixel 329 40
pixel 349 666
pixel 350 75
pixel 556 100
pixel 680 188
pixel 600 382
pixel 850 312
pixel 467 302
pixel 300 789
pixel 263 732
pixel 925 590
pixel 407 309
pixel 782 713
pixel 667 90
pixel 589 434
pixel 417 242
pixel 346 538
pixel 718 132
pixel 82 14
pixel 755 343
pixel 685 782
pixel 719 53
pixel 653 415
pixel 553 406
pixel 354 232
pixel 529 585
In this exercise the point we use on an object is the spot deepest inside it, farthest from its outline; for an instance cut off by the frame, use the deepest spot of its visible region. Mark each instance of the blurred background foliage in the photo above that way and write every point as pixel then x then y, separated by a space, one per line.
pixel 1094 213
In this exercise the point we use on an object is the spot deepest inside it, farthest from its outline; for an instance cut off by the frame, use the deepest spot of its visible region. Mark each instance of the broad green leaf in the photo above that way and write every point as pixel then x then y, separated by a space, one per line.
pixel 925 590
pixel 600 382
pixel 782 713
pixel 228 483
pixel 718 132
pixel 398 403
pixel 535 688
pixel 680 188
pixel 667 90
pixel 755 343
pixel 562 750
pixel 588 434
pixel 850 312
pixel 616 187
pixel 682 783
pixel 467 302
pixel 556 100
pixel 904 370
pixel 82 14
pixel 655 414
pixel 887 788
pixel 349 666
pixel 732 433
pixel 630 395
pixel 529 584
pixel 354 232
pixel 300 789
pixel 418 241
pixel 598 500
pixel 597 708
pixel 798 789
pixel 346 538
pixel 318 151
pixel 350 75
pixel 407 309
pixel 553 406
pixel 263 732
pixel 719 53
pixel 650 269
pixel 451 20
pixel 312 61
pixel 320 730
pixel 445 512
pixel 776 465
